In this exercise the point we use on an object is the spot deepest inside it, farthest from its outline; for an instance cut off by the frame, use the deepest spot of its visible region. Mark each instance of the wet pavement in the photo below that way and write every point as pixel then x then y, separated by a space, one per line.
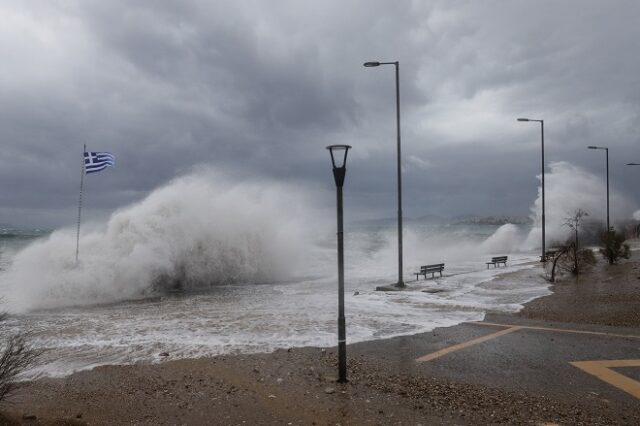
pixel 517 354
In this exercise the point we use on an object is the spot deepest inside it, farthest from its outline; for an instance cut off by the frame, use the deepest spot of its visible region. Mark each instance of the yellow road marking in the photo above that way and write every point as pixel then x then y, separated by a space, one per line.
pixel 559 330
pixel 602 370
pixel 466 344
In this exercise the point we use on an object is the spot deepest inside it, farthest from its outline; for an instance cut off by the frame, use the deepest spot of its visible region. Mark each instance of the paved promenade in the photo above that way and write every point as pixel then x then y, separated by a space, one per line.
pixel 571 358
pixel 563 360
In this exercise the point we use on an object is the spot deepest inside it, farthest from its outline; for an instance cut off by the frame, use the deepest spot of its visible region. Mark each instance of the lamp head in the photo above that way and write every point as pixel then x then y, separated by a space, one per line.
pixel 338 155
pixel 633 164
pixel 523 119
pixel 372 64
pixel 339 162
pixel 592 147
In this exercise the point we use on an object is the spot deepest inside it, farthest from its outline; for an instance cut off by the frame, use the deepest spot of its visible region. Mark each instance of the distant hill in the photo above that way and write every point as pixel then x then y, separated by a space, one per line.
pixel 439 220
pixel 492 220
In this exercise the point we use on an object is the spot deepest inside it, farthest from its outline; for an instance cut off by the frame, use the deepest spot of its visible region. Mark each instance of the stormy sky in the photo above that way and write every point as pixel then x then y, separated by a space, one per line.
pixel 257 89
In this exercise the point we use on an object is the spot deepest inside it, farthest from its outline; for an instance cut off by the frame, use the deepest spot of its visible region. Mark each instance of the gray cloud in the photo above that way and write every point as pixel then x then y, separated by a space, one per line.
pixel 258 89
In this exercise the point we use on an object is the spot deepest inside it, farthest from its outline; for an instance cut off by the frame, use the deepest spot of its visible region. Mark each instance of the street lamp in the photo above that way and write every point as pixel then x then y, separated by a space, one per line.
pixel 543 258
pixel 633 164
pixel 607 157
pixel 339 162
pixel 400 283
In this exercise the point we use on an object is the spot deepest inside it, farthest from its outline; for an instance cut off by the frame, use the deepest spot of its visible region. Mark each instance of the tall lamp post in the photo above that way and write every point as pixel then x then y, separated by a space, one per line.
pixel 637 227
pixel 400 283
pixel 607 157
pixel 339 162
pixel 543 257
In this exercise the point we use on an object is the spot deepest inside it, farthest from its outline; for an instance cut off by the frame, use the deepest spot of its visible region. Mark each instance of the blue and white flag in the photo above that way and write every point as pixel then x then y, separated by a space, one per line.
pixel 96 161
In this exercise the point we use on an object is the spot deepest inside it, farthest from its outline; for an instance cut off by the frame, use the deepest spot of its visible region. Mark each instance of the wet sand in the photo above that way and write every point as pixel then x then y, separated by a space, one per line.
pixel 297 386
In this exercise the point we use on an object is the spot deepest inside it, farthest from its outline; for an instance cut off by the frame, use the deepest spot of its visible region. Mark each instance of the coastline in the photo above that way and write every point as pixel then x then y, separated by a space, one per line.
pixel 298 384
pixel 232 327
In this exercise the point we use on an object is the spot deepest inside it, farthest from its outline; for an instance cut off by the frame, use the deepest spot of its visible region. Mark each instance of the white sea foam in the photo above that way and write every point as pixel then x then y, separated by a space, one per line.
pixel 567 189
pixel 258 318
pixel 195 232
pixel 200 232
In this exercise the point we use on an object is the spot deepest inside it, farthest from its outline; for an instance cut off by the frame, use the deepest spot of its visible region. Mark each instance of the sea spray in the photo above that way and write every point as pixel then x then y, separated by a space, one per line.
pixel 202 230
pixel 198 231
pixel 506 239
pixel 567 189
pixel 463 247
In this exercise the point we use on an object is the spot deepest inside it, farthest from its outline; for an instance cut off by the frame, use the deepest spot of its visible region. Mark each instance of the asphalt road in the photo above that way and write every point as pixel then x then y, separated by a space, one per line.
pixel 518 354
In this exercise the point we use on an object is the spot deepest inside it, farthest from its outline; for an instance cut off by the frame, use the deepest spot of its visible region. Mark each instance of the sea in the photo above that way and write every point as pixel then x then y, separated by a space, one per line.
pixel 198 270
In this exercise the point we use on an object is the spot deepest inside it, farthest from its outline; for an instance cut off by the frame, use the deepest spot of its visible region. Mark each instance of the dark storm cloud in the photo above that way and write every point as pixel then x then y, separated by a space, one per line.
pixel 259 88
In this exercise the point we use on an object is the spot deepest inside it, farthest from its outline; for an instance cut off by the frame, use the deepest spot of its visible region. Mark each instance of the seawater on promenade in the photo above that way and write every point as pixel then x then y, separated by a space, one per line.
pixel 246 317
pixel 204 267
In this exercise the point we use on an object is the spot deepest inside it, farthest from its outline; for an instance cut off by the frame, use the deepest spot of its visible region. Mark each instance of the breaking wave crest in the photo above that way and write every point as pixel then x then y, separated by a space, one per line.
pixel 198 231
pixel 569 188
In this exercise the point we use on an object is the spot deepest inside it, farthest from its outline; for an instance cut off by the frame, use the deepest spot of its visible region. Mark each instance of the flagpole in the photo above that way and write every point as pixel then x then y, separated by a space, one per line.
pixel 84 149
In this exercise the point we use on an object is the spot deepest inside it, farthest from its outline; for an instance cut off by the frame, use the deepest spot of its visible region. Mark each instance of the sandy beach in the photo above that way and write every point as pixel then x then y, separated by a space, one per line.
pixel 297 386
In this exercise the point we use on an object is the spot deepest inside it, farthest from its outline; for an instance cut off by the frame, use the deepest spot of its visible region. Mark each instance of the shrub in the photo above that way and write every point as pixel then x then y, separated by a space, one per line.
pixel 16 356
pixel 570 260
pixel 613 247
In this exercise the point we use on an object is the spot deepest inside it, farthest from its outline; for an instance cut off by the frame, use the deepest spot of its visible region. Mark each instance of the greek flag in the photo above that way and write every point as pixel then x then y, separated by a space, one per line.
pixel 96 161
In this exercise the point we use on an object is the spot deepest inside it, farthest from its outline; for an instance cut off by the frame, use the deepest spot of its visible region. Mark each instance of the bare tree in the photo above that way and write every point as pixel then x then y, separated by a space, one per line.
pixel 574 223
pixel 569 257
pixel 575 260
pixel 559 253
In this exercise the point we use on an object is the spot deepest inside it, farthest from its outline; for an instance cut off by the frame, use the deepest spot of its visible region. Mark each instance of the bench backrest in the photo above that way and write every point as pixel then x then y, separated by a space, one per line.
pixel 499 258
pixel 434 266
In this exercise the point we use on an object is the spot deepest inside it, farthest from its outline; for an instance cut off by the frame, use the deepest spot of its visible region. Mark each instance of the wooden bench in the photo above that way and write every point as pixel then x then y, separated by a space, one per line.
pixel 550 254
pixel 432 269
pixel 495 261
